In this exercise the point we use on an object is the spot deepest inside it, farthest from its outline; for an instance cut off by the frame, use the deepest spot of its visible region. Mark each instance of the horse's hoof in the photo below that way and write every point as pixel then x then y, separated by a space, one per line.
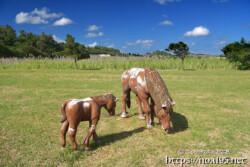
pixel 123 115
pixel 62 148
pixel 141 117
pixel 149 126
pixel 88 149
pixel 79 151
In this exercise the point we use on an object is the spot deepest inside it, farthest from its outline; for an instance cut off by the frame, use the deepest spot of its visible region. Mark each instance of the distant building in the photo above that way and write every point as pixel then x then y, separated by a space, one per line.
pixel 99 55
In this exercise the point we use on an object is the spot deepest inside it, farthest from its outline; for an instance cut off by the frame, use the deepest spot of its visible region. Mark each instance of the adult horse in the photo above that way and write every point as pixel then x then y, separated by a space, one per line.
pixel 89 109
pixel 147 83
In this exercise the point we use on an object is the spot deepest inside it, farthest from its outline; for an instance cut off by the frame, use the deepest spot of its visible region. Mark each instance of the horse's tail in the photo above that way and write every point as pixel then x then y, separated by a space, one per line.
pixel 128 101
pixel 64 117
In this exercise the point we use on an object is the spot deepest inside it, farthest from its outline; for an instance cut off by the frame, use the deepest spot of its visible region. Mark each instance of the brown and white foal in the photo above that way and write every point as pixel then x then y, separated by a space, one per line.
pixel 89 109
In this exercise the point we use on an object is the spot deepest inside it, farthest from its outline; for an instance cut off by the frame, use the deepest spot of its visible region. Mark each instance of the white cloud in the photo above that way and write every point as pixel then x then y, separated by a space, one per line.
pixel 36 16
pixel 28 18
pixel 93 44
pixel 92 35
pixel 44 13
pixel 143 43
pixel 166 22
pixel 220 42
pixel 162 2
pixel 111 46
pixel 93 28
pixel 58 39
pixel 197 31
pixel 63 21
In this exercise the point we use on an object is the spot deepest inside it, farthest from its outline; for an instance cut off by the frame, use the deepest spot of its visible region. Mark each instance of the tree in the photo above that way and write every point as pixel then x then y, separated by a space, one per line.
pixel 180 50
pixel 47 44
pixel 6 51
pixel 75 50
pixel 238 52
pixel 7 35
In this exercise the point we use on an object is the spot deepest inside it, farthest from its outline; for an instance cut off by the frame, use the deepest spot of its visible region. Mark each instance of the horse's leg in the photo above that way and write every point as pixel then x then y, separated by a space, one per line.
pixel 138 100
pixel 72 132
pixel 126 94
pixel 64 130
pixel 152 110
pixel 90 133
pixel 147 110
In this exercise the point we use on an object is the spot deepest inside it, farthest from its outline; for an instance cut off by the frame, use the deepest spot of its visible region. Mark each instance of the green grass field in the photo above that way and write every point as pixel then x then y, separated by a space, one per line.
pixel 212 112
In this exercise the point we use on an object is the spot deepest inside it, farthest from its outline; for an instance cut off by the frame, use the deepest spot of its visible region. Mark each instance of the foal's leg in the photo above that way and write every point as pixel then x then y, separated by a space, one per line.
pixel 72 133
pixel 147 110
pixel 86 141
pixel 95 137
pixel 64 130
pixel 138 100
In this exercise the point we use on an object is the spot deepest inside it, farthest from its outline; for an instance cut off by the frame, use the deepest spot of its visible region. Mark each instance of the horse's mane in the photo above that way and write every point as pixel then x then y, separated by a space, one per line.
pixel 157 89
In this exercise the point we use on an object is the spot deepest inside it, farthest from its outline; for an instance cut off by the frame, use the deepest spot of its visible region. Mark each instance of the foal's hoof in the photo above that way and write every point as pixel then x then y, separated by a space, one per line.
pixel 124 115
pixel 149 126
pixel 141 117
pixel 88 149
pixel 62 148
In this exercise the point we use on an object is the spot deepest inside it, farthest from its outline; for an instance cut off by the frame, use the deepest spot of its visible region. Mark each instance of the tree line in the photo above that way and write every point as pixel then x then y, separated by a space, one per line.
pixel 43 45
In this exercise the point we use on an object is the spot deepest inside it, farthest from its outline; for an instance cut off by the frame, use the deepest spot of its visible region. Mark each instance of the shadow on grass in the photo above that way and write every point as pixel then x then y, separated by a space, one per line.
pixel 180 123
pixel 119 114
pixel 112 138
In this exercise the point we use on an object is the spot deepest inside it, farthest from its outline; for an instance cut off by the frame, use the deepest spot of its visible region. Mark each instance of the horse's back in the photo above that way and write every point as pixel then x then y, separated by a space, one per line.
pixel 134 79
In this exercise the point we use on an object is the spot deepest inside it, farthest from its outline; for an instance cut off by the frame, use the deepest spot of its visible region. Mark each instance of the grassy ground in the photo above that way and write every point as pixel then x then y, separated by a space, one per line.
pixel 212 112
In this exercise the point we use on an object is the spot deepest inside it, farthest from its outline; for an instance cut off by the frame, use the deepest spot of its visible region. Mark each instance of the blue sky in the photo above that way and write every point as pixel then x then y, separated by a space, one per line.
pixel 137 26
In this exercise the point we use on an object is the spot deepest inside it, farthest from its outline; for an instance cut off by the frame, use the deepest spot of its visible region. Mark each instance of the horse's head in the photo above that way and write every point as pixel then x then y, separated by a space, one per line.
pixel 111 104
pixel 165 115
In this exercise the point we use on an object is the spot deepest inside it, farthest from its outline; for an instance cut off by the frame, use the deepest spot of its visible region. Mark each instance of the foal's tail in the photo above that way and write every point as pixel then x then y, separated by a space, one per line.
pixel 64 117
pixel 128 101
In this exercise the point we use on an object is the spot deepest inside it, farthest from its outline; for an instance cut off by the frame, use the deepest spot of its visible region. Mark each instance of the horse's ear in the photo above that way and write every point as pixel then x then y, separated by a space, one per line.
pixel 116 99
pixel 173 103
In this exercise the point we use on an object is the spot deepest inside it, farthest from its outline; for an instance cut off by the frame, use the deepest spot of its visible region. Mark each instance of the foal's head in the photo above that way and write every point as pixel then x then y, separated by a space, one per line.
pixel 111 103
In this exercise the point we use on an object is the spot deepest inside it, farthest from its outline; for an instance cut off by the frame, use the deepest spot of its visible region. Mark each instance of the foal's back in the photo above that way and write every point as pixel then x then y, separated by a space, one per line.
pixel 80 109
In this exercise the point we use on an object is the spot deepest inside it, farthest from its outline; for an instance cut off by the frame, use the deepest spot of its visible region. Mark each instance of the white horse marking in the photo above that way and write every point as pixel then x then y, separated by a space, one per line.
pixel 86 105
pixel 140 81
pixel 92 127
pixel 71 129
pixel 74 101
